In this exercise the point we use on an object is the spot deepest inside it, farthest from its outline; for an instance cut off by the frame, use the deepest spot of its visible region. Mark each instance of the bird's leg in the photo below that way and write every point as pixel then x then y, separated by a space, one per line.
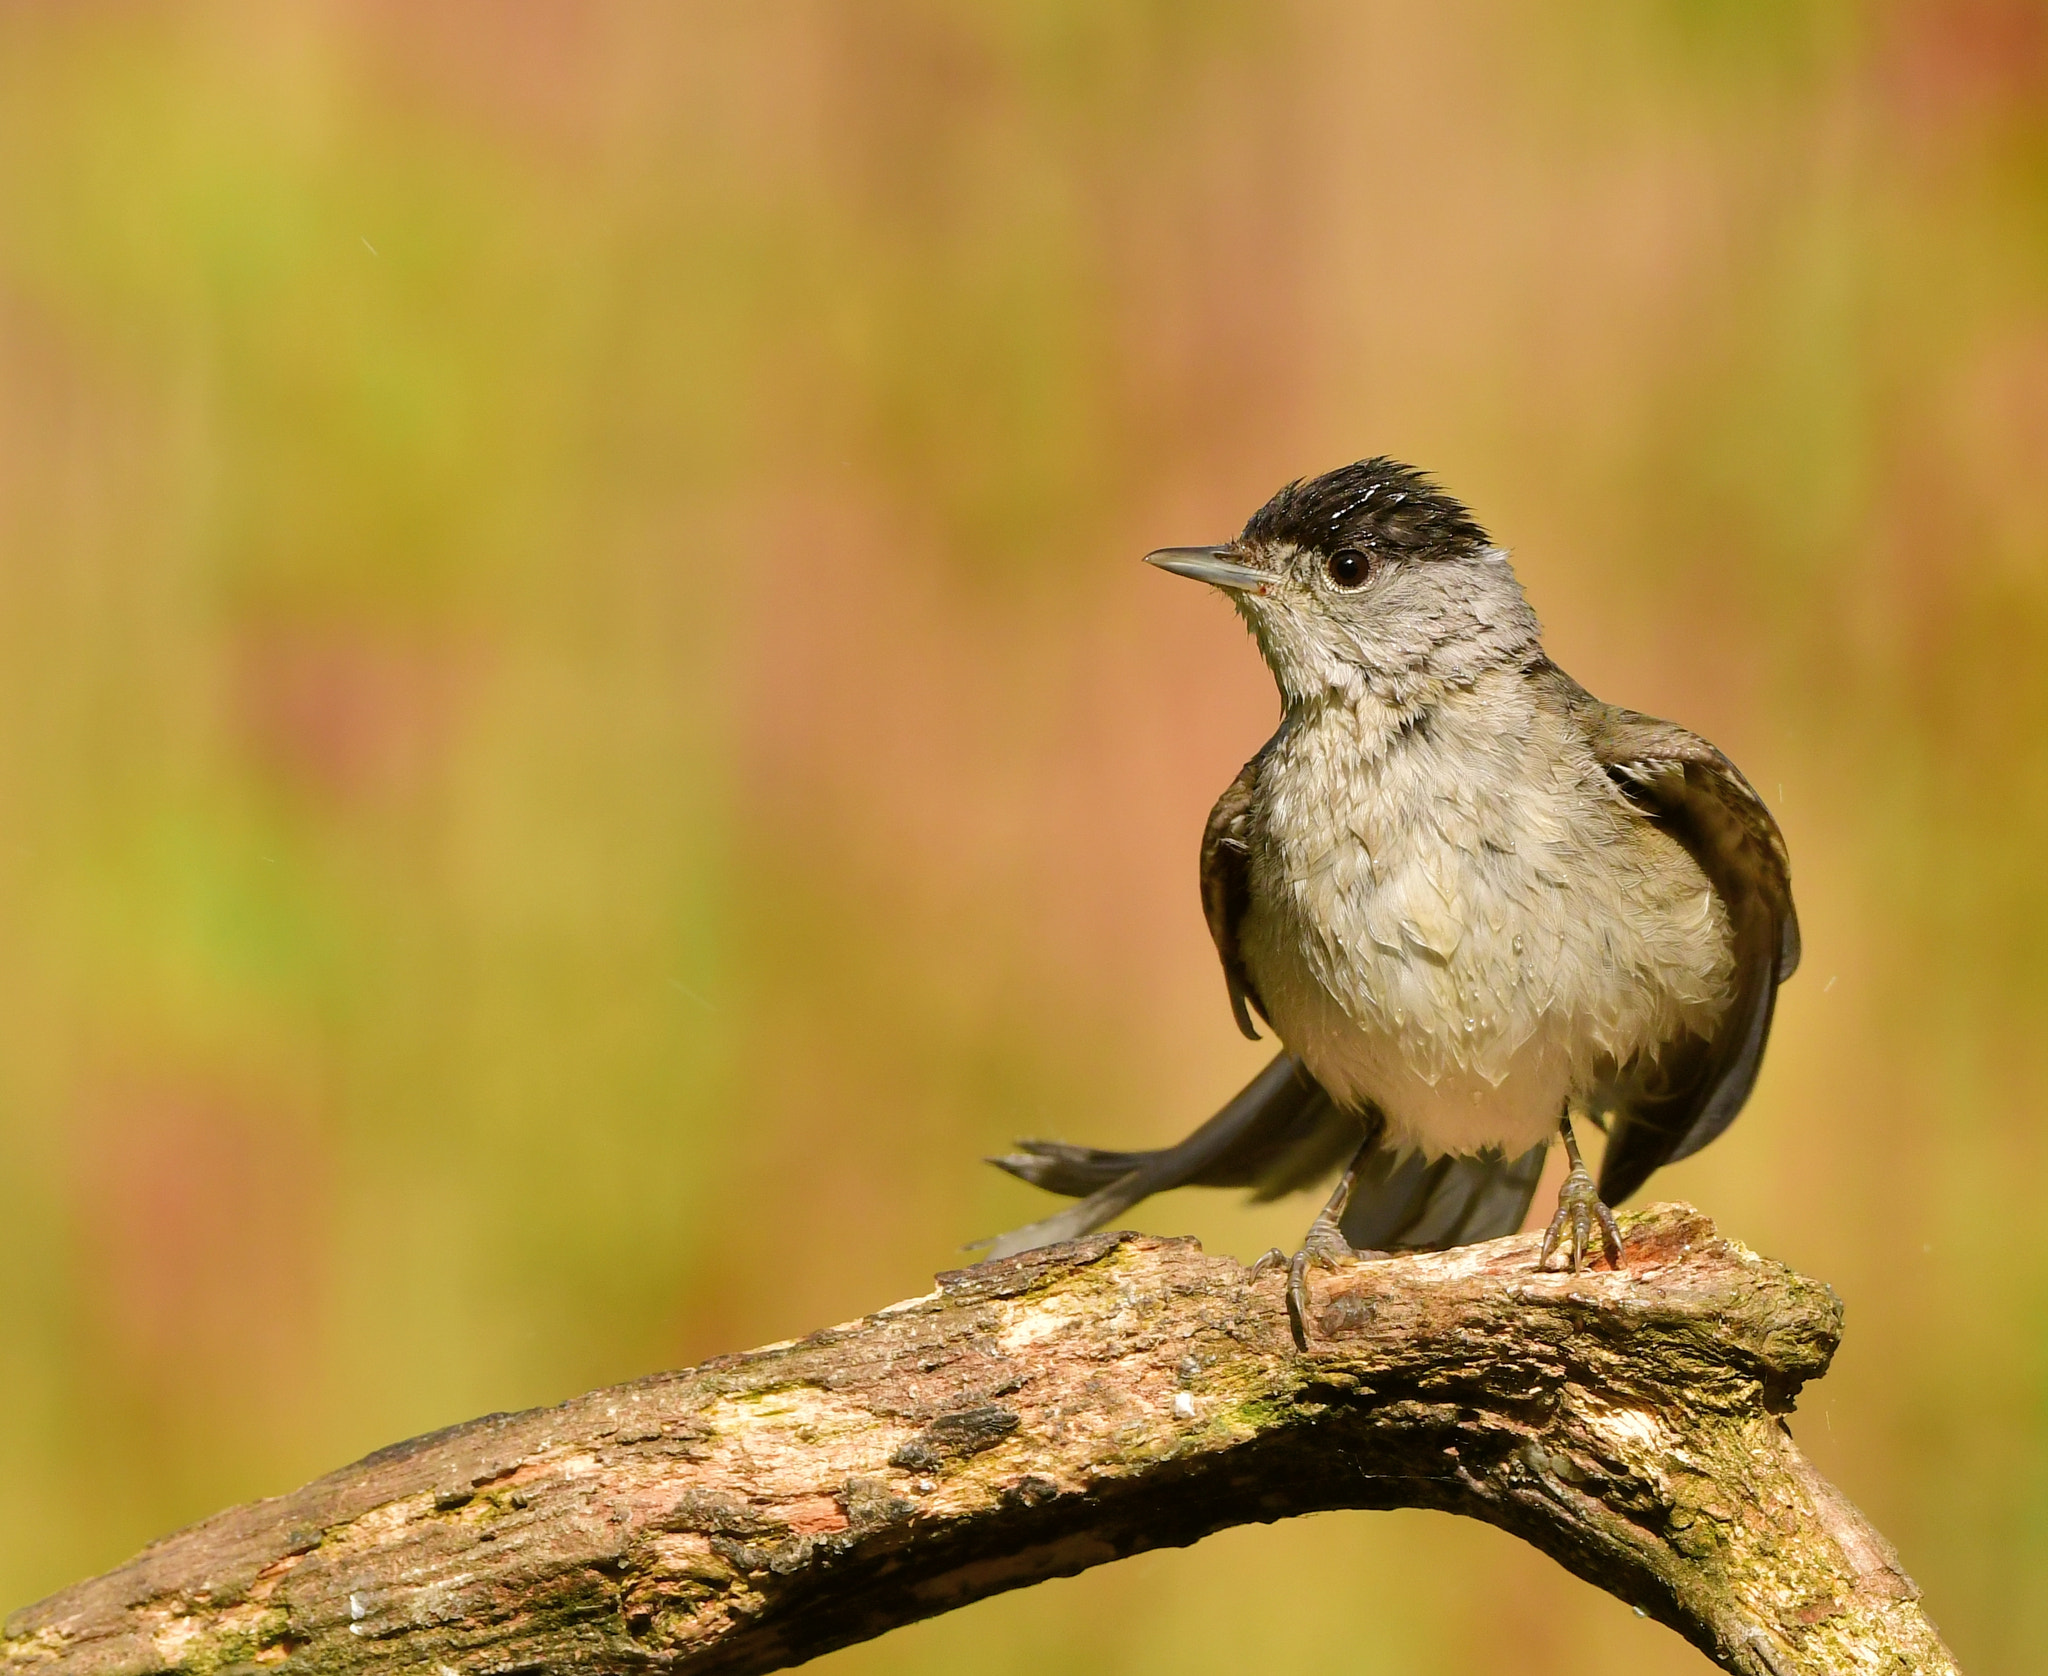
pixel 1578 1204
pixel 1324 1245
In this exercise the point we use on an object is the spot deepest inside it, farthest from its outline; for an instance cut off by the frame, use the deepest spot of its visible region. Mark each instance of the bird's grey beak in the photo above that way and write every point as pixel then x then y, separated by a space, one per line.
pixel 1218 566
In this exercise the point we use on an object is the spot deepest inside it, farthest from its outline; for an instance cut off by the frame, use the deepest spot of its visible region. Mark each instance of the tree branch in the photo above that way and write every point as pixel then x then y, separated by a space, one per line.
pixel 1040 1415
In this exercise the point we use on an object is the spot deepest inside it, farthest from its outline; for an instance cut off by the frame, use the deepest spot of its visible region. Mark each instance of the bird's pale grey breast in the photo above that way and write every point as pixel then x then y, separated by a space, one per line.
pixel 1470 898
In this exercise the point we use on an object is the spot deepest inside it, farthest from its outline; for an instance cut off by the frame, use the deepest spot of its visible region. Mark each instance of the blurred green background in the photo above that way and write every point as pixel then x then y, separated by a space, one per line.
pixel 580 732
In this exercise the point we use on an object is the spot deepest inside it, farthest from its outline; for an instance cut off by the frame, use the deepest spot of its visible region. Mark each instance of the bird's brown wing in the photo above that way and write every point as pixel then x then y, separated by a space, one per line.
pixel 1678 780
pixel 1227 890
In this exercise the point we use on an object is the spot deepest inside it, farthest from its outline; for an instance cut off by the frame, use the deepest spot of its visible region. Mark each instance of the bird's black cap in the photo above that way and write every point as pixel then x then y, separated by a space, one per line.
pixel 1377 504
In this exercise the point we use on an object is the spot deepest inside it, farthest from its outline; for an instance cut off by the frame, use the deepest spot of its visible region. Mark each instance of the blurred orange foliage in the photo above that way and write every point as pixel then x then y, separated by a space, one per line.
pixel 581 732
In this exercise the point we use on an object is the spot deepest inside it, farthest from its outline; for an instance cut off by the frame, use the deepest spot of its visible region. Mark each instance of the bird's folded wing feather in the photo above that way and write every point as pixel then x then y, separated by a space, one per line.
pixel 1683 784
pixel 1226 889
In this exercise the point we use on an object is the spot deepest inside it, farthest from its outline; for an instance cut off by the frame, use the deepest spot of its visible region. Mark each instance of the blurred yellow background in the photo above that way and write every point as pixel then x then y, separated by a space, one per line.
pixel 581 732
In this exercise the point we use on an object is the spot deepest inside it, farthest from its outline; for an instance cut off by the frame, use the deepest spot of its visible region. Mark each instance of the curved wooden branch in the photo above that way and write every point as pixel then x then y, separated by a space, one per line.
pixel 1040 1415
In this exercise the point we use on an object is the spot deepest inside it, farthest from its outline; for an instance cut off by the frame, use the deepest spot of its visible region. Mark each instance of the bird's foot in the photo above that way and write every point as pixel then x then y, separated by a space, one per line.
pixel 1578 1208
pixel 1325 1247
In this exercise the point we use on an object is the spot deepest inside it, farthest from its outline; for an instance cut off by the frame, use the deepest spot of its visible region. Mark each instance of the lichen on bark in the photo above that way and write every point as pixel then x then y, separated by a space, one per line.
pixel 1034 1417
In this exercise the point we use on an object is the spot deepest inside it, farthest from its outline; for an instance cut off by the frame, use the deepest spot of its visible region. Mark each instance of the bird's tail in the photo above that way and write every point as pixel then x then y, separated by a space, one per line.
pixel 1280 1134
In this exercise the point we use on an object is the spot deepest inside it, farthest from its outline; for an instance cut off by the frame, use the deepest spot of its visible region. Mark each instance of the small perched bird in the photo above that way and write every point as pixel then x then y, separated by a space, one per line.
pixel 1471 900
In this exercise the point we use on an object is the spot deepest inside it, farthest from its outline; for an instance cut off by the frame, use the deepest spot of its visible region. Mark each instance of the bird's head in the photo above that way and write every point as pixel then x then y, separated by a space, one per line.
pixel 1368 578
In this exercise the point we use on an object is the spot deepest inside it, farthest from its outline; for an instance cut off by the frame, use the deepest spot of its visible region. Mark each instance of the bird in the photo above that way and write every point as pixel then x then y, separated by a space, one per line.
pixel 1475 905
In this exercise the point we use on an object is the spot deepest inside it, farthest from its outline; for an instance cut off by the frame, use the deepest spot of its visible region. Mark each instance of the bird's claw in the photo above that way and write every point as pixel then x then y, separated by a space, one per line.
pixel 1578 1208
pixel 1325 1247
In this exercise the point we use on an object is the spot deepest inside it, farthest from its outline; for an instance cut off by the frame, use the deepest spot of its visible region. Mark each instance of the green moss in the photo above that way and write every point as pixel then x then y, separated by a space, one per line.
pixel 232 1646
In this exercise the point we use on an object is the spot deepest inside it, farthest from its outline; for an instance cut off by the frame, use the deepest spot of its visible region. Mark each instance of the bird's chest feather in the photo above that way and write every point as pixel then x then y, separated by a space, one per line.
pixel 1459 920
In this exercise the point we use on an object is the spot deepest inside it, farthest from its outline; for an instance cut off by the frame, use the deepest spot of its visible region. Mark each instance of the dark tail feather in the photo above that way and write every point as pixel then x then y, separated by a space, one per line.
pixel 1283 1133
pixel 1403 1202
pixel 1279 1112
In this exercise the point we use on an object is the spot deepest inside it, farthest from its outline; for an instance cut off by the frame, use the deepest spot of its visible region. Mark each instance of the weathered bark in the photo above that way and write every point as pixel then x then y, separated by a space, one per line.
pixel 1035 1417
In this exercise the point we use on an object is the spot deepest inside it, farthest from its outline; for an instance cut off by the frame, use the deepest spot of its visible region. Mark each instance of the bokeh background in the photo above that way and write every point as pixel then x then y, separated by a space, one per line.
pixel 581 732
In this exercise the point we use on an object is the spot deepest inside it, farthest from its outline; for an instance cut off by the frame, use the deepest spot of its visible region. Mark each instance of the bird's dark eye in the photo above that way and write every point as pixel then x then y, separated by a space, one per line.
pixel 1348 567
